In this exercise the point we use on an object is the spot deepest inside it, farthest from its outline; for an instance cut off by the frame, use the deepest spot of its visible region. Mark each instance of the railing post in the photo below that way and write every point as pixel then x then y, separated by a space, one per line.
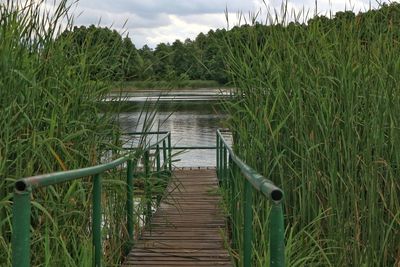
pixel 164 155
pixel 221 161
pixel 147 186
pixel 248 223
pixel 216 152
pixel 21 228
pixel 277 235
pixel 234 203
pixel 169 152
pixel 96 219
pixel 158 160
pixel 225 170
pixel 217 155
pixel 129 201
pixel 230 179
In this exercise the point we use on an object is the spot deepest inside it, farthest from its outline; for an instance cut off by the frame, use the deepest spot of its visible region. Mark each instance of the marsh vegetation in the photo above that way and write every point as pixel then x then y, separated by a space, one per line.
pixel 49 121
pixel 316 111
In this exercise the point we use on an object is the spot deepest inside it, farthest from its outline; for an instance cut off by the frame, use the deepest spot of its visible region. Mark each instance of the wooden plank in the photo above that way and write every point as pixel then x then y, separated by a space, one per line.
pixel 188 228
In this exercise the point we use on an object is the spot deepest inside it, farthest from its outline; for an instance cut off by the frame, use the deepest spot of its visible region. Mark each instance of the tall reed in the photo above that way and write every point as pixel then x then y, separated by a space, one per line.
pixel 316 111
pixel 50 121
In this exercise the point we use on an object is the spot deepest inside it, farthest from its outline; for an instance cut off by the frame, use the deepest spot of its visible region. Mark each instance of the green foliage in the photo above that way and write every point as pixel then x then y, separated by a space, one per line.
pixel 163 62
pixel 180 83
pixel 316 111
pixel 50 122
pixel 201 59
pixel 116 58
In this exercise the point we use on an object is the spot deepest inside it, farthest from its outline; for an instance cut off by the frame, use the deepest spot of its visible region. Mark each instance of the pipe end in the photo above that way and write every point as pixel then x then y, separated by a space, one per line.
pixel 20 186
pixel 276 195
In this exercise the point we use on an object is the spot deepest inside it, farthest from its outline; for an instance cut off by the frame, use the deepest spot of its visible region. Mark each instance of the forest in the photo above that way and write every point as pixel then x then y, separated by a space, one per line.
pixel 199 59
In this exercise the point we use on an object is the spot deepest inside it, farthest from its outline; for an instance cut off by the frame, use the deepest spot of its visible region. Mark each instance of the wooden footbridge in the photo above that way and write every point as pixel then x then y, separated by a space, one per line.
pixel 189 224
pixel 189 227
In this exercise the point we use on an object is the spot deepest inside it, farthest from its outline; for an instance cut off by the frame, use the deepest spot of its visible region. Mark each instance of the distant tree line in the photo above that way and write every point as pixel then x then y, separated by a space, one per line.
pixel 199 59
pixel 203 57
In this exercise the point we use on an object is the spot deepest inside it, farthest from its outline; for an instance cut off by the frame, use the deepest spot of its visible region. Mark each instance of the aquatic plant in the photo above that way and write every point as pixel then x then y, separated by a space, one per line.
pixel 50 121
pixel 316 111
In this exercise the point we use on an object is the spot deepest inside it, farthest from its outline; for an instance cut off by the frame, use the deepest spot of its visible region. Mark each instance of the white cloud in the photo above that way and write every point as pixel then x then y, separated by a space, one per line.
pixel 174 7
pixel 181 27
pixel 207 20
pixel 131 20
pixel 154 21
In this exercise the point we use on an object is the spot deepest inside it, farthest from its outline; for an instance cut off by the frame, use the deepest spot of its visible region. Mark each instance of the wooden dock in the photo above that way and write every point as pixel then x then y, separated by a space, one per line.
pixel 188 229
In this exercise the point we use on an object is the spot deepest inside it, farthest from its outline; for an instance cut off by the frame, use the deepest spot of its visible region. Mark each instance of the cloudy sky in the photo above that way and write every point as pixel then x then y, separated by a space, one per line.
pixel 154 21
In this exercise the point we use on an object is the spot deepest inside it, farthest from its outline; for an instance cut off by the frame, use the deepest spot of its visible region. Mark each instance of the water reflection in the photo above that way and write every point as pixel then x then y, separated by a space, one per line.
pixel 192 124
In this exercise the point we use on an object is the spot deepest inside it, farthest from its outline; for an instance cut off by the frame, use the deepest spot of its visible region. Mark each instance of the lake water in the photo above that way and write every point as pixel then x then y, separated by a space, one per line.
pixel 192 117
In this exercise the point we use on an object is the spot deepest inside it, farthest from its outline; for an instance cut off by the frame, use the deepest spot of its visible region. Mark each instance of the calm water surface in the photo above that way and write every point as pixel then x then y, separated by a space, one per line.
pixel 191 123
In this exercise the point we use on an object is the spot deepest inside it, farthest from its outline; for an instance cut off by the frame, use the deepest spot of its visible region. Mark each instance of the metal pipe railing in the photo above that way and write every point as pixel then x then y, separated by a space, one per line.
pixel 229 165
pixel 182 148
pixel 24 187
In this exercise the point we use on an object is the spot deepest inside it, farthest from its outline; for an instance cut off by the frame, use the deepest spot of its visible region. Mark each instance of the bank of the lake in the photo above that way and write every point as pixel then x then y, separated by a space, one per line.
pixel 133 86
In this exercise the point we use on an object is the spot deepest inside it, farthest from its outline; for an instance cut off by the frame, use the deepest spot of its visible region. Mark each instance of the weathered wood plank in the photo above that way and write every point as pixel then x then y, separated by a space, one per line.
pixel 188 227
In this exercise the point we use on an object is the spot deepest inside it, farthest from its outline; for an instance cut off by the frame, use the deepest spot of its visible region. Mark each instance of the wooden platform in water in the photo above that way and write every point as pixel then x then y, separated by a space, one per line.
pixel 188 228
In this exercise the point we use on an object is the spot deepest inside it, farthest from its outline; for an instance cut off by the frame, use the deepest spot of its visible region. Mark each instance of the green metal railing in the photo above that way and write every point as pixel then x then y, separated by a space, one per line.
pixel 230 168
pixel 24 188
